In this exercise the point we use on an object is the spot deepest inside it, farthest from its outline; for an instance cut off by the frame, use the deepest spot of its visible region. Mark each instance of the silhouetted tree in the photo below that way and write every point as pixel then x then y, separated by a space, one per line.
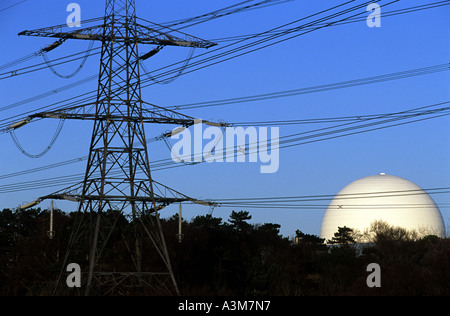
pixel 228 258
pixel 239 220
pixel 343 236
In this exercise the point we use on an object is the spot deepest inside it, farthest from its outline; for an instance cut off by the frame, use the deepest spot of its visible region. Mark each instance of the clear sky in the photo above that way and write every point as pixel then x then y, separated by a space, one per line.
pixel 419 151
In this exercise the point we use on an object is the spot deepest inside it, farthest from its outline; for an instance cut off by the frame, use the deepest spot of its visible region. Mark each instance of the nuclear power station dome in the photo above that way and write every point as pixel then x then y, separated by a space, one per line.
pixel 388 198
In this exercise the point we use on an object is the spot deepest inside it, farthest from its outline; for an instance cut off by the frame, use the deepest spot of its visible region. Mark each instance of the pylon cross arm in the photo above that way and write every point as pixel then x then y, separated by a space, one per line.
pixel 144 35
pixel 95 117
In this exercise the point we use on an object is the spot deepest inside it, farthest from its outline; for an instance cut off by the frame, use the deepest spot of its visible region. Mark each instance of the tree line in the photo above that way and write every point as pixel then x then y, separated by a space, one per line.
pixel 232 257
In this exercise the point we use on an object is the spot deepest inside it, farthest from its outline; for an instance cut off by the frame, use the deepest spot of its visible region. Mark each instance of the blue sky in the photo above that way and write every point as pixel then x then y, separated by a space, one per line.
pixel 418 152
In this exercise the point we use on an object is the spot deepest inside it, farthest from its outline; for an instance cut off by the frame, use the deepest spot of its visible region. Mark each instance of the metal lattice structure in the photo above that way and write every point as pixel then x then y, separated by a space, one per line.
pixel 118 178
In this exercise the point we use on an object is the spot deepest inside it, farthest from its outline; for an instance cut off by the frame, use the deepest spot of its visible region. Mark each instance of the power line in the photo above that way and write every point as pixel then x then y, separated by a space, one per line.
pixel 171 72
pixel 358 119
pixel 48 63
pixel 235 8
pixel 346 196
pixel 420 71
pixel 355 20
pixel 13 5
pixel 282 32
pixel 289 140
pixel 362 125
pixel 281 94
pixel 246 48
pixel 298 202
pixel 43 168
pixel 319 88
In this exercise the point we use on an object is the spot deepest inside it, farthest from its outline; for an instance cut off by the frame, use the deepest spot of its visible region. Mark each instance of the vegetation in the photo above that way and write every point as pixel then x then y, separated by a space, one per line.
pixel 234 257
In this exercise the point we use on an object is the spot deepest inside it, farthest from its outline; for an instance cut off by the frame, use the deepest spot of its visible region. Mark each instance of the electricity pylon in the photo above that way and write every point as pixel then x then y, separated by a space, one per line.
pixel 118 176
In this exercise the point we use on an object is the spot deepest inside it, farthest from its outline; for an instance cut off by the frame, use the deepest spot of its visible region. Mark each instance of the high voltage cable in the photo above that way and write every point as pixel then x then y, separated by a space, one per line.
pixel 385 14
pixel 367 124
pixel 43 168
pixel 363 19
pixel 318 88
pixel 327 133
pixel 280 94
pixel 248 46
pixel 45 64
pixel 69 86
pixel 355 119
pixel 286 201
pixel 342 128
pixel 208 59
pixel 13 5
pixel 205 17
pixel 345 196
pixel 324 207
pixel 417 8
pixel 286 141
pixel 228 52
pixel 46 149
pixel 273 202
pixel 157 77
pixel 184 23
pixel 36 54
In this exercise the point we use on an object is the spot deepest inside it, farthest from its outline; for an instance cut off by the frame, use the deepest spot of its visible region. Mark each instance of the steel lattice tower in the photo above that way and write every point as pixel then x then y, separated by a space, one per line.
pixel 117 176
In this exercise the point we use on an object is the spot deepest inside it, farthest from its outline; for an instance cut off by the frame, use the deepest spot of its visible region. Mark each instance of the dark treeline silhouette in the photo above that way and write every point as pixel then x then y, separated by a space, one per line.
pixel 231 257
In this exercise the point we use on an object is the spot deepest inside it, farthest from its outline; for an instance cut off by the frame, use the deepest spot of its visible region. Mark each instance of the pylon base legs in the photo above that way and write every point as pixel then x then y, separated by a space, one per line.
pixel 104 243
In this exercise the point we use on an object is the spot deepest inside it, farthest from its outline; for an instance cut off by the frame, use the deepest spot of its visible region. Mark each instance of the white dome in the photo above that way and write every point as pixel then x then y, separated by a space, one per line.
pixel 392 199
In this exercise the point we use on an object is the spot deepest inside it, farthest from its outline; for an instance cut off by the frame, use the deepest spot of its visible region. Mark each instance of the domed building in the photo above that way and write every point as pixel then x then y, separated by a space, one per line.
pixel 391 199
